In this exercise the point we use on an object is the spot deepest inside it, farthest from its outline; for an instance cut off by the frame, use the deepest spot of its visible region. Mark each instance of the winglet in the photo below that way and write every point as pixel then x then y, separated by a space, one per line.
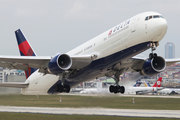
pixel 158 83
pixel 25 49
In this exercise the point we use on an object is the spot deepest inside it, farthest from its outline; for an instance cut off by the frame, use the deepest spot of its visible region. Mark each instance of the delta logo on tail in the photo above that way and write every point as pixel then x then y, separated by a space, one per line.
pixel 25 49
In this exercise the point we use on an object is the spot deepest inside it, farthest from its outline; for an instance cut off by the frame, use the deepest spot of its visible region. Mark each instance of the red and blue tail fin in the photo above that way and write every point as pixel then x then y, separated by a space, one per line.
pixel 138 83
pixel 158 83
pixel 25 49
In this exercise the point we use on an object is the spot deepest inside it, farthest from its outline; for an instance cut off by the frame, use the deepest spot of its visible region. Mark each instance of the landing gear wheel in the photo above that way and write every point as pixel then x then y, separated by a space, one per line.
pixel 122 89
pixel 111 89
pixel 60 88
pixel 115 89
pixel 151 55
pixel 67 88
pixel 155 55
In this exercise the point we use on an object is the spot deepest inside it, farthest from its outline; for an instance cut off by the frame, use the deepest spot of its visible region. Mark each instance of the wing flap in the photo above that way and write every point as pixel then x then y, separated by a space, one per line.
pixel 14 85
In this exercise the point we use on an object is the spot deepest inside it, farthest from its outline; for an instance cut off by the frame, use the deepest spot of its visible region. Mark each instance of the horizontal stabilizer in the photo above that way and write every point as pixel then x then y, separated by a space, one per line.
pixel 14 84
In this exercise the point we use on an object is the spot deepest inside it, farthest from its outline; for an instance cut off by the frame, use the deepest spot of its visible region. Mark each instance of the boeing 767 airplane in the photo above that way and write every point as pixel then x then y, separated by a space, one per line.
pixel 108 54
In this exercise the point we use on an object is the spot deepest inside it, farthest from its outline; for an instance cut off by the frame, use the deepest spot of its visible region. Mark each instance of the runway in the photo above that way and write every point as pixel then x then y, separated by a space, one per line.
pixel 124 95
pixel 94 111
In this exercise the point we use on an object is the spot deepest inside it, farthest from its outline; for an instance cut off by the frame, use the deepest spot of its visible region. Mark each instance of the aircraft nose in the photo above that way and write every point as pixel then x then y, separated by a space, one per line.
pixel 161 25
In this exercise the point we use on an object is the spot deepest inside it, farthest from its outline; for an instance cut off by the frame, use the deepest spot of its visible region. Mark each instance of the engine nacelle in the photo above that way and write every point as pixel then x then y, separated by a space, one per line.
pixel 153 66
pixel 59 63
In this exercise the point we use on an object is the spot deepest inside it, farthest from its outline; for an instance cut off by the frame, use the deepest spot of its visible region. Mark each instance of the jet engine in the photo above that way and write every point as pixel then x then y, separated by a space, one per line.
pixel 59 63
pixel 153 66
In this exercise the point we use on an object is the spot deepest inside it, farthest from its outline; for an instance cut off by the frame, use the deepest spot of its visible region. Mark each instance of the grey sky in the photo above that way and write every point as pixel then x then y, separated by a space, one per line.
pixel 53 26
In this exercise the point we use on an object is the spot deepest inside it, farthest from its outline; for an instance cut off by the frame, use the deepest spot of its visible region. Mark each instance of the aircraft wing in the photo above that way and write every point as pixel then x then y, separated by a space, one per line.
pixel 136 62
pixel 23 62
pixel 79 61
pixel 171 61
pixel 14 84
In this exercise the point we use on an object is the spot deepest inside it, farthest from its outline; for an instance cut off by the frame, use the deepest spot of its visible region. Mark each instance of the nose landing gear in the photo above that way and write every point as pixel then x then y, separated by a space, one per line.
pixel 153 48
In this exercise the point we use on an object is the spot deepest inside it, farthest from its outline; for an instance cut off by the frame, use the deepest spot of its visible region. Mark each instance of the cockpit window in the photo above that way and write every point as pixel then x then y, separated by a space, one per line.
pixel 150 17
pixel 146 18
pixel 154 16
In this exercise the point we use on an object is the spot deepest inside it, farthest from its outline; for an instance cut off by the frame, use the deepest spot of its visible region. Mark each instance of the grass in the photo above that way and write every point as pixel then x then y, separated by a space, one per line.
pixel 27 116
pixel 117 102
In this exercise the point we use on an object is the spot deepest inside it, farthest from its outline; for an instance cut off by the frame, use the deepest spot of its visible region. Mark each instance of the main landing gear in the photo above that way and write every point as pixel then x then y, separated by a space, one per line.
pixel 117 88
pixel 63 88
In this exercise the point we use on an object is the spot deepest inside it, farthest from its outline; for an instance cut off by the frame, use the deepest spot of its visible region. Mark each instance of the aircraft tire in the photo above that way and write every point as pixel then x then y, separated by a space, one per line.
pixel 115 89
pixel 122 89
pixel 151 55
pixel 60 88
pixel 67 88
pixel 111 89
pixel 155 55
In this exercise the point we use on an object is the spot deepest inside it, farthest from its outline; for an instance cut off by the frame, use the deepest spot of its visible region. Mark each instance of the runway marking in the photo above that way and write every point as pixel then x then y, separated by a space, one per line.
pixel 94 111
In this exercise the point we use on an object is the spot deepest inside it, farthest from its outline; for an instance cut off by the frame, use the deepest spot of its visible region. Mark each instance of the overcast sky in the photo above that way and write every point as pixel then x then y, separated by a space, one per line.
pixel 57 26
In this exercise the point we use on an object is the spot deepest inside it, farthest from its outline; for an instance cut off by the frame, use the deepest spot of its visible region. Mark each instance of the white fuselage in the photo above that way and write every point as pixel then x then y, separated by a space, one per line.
pixel 169 90
pixel 131 32
pixel 141 90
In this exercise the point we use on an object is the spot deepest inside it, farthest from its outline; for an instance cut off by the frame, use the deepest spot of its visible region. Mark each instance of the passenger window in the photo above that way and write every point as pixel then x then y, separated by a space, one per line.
pixel 150 17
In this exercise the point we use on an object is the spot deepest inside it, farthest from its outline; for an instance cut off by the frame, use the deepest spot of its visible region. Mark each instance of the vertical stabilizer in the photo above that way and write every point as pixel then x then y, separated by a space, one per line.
pixel 25 49
pixel 138 83
pixel 158 83
pixel 146 84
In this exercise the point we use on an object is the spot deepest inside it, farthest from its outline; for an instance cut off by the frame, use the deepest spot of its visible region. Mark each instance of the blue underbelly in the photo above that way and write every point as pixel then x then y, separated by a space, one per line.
pixel 105 64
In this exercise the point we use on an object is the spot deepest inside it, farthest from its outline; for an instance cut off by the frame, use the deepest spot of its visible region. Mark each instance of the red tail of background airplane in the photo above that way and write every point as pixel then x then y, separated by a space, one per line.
pixel 158 83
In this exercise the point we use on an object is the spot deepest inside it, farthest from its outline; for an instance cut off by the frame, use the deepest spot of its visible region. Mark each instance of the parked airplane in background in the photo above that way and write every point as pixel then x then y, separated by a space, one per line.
pixel 163 90
pixel 146 84
pixel 168 91
pixel 138 83
pixel 103 90
pixel 144 90
pixel 157 84
pixel 109 54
